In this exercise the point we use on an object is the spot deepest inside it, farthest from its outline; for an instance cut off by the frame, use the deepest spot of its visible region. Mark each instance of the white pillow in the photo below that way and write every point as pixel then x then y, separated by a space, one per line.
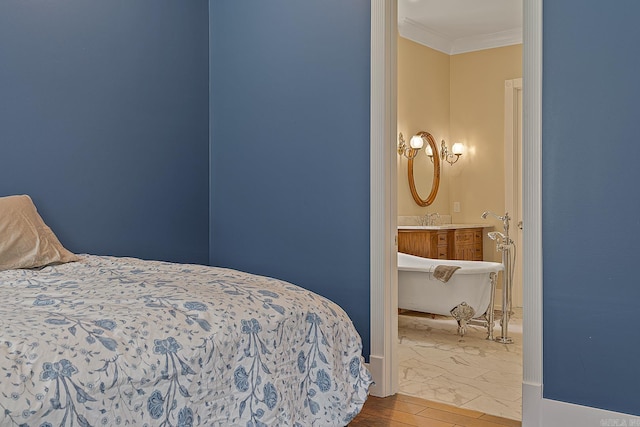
pixel 25 240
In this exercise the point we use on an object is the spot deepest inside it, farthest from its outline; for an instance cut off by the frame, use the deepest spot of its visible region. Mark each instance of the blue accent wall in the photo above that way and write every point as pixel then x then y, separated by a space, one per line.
pixel 591 123
pixel 104 122
pixel 290 145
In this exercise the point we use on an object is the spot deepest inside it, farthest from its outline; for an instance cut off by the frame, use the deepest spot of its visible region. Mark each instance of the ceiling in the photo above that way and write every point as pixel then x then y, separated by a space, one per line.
pixel 458 26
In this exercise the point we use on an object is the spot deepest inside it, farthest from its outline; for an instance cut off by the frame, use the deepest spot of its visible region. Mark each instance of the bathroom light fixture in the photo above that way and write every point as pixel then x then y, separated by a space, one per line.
pixel 451 158
pixel 410 151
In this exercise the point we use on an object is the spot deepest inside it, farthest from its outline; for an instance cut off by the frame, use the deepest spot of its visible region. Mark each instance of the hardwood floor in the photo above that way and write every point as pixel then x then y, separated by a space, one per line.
pixel 403 411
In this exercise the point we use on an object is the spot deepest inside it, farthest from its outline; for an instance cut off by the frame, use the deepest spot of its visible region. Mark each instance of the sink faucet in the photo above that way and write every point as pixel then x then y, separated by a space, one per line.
pixel 431 218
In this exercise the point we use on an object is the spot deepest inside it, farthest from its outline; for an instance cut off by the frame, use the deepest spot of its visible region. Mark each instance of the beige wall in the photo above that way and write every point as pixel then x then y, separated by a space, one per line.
pixel 462 101
pixel 423 105
pixel 477 119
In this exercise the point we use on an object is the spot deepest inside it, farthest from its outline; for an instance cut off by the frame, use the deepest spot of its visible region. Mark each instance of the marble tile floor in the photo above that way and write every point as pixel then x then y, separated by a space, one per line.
pixel 436 364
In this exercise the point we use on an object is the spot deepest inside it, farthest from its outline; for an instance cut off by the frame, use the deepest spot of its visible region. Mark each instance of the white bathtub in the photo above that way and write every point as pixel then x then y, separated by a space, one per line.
pixel 472 286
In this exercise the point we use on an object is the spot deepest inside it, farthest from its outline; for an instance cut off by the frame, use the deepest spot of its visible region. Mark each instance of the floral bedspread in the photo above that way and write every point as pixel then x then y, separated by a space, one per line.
pixel 121 341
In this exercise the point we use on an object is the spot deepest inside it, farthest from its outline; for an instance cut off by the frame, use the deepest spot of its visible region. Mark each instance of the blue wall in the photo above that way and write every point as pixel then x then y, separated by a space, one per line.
pixel 290 145
pixel 591 123
pixel 104 122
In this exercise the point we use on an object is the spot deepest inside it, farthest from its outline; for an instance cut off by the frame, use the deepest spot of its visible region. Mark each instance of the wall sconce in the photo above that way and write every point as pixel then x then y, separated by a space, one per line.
pixel 451 158
pixel 410 151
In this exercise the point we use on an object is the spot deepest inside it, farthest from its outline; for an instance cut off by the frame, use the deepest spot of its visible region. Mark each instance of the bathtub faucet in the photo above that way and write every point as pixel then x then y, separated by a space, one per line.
pixel 507 246
pixel 505 220
pixel 502 241
pixel 493 235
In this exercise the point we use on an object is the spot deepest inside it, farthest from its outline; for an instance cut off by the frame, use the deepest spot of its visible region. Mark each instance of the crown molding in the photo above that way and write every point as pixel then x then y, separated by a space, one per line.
pixel 413 31
pixel 487 41
pixel 410 29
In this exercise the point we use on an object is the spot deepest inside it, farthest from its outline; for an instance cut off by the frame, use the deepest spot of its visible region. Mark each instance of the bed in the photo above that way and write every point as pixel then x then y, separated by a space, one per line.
pixel 93 340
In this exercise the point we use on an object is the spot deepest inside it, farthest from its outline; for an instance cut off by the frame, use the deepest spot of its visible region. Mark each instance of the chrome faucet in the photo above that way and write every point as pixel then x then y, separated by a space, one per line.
pixel 431 218
pixel 505 222
pixel 502 241
pixel 493 235
pixel 507 246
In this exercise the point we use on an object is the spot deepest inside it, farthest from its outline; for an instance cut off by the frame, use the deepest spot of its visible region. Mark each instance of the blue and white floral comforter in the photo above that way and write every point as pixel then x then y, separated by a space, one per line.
pixel 121 341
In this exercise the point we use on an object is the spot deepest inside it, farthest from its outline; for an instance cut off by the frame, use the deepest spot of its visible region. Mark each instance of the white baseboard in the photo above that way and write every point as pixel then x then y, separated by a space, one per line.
pixel 531 402
pixel 376 367
pixel 540 412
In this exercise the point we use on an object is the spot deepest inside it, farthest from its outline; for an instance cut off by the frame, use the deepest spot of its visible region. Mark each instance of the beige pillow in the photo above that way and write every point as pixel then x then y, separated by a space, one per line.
pixel 25 240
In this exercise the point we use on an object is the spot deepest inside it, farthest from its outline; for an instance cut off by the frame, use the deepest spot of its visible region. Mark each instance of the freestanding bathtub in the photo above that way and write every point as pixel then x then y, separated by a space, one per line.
pixel 467 295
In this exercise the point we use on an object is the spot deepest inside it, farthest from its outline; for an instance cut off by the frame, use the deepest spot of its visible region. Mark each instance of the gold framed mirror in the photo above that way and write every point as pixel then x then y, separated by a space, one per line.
pixel 436 172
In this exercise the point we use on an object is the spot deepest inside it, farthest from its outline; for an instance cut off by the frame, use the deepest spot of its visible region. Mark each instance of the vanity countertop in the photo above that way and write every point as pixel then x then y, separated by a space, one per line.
pixel 443 226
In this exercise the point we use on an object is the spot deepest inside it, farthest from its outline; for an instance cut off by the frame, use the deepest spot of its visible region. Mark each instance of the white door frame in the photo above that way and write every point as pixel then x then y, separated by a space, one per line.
pixel 532 214
pixel 383 204
pixel 383 175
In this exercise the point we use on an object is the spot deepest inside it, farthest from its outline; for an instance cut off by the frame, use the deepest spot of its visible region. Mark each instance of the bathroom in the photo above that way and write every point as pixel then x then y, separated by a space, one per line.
pixel 461 97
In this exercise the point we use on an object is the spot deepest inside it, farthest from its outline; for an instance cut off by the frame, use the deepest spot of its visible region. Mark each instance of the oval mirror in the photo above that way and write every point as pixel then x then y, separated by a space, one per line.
pixel 435 183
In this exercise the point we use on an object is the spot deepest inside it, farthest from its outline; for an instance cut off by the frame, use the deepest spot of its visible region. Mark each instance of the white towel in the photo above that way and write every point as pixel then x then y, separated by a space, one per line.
pixel 444 272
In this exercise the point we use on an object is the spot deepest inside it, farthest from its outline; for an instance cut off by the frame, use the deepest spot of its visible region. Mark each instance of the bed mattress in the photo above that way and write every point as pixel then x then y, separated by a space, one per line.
pixel 121 341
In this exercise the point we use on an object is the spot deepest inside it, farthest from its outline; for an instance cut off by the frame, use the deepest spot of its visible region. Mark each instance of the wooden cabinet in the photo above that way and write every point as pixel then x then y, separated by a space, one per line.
pixel 468 244
pixel 459 243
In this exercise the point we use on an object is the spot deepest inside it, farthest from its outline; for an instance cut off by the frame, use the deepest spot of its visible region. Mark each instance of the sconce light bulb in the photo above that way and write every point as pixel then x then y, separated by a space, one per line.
pixel 416 142
pixel 428 151
pixel 457 148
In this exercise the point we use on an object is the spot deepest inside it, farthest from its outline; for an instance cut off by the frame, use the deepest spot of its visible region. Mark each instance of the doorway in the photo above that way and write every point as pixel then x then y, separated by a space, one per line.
pixel 434 363
pixel 383 296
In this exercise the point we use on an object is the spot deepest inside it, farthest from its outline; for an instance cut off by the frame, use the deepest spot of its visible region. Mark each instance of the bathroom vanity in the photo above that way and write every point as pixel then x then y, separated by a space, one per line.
pixel 449 241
